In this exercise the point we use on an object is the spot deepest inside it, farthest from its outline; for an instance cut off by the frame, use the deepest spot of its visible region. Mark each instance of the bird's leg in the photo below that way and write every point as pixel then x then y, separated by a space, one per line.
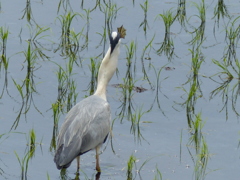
pixel 97 159
pixel 78 163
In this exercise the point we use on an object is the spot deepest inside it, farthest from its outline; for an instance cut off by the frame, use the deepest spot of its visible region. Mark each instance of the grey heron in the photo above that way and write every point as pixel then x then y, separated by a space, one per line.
pixel 88 123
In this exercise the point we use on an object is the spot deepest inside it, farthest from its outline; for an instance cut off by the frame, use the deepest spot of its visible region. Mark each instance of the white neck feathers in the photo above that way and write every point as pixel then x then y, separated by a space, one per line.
pixel 106 71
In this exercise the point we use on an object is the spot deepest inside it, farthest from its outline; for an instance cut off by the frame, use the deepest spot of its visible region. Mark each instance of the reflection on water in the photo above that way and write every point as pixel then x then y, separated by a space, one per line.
pixel 64 175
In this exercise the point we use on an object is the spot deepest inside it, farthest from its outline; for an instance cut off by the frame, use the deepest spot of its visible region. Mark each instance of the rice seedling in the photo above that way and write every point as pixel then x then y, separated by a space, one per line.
pixel 195 91
pixel 199 32
pixel 56 115
pixel 28 86
pixel 130 165
pixel 226 88
pixel 67 94
pixel 167 46
pixel 232 39
pixel 4 61
pixel 128 84
pixel 29 154
pixel 144 24
pixel 93 67
pixel 69 43
pixel 36 35
pixel 158 174
pixel 198 143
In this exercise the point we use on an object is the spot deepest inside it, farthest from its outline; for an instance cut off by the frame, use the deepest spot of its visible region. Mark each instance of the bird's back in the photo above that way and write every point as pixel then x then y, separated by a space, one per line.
pixel 85 127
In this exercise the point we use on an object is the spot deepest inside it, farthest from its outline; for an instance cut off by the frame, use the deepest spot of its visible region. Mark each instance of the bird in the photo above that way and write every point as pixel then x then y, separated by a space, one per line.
pixel 88 123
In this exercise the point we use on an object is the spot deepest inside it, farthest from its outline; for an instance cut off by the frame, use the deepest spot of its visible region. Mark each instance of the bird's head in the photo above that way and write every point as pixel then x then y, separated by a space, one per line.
pixel 114 40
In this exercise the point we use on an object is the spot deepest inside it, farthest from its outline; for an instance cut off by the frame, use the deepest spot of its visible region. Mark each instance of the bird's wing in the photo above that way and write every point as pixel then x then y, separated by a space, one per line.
pixel 85 125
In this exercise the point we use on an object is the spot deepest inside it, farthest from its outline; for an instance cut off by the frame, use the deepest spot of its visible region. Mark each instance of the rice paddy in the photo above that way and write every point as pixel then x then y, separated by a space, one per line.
pixel 174 98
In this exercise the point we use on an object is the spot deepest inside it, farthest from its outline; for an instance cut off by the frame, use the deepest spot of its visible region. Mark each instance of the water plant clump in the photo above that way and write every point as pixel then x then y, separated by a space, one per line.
pixel 4 61
pixel 199 32
pixel 198 143
pixel 144 24
pixel 167 46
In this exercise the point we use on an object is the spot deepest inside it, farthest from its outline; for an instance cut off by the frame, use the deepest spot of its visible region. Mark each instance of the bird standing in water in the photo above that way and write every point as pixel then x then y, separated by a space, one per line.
pixel 88 123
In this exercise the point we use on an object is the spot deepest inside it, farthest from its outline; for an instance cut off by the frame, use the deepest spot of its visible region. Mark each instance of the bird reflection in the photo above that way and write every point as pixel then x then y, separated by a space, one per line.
pixel 64 175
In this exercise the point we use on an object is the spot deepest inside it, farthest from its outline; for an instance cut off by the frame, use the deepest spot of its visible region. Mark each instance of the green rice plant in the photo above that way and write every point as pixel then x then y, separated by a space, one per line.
pixel 4 61
pixel 69 43
pixel 167 46
pixel 158 174
pixel 128 84
pixel 32 143
pixel 29 154
pixel 130 165
pixel 48 177
pixel 56 115
pixel 66 92
pixel 36 35
pixel 28 86
pixel 93 67
pixel 144 24
pixel 198 143
pixel 232 39
pixel 199 32
pixel 224 87
pixel 194 93
pixel 30 59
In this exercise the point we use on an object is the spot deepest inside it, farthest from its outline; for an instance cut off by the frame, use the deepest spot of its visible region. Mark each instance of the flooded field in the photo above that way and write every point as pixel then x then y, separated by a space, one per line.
pixel 174 98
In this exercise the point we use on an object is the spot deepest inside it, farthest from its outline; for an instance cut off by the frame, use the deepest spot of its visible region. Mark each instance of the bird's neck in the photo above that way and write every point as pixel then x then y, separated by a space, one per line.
pixel 106 71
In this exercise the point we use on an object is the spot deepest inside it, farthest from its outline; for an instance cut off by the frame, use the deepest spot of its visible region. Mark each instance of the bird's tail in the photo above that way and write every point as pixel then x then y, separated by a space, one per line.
pixel 58 159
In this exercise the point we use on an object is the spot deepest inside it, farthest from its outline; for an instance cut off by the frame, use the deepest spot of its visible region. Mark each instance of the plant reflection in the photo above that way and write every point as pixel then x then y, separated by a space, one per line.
pixel 195 91
pixel 24 162
pixel 200 30
pixel 158 89
pixel 149 48
pixel 28 87
pixel 69 44
pixel 4 61
pixel 94 67
pixel 167 46
pixel 220 10
pixel 144 24
pixel 226 87
pixel 198 143
pixel 28 12
pixel 181 12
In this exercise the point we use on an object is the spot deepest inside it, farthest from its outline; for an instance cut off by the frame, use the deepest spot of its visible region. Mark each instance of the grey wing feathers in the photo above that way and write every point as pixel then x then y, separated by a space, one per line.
pixel 85 127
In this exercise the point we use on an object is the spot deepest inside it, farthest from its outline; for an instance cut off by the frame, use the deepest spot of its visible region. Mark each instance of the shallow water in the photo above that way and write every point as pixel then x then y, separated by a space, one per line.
pixel 165 145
